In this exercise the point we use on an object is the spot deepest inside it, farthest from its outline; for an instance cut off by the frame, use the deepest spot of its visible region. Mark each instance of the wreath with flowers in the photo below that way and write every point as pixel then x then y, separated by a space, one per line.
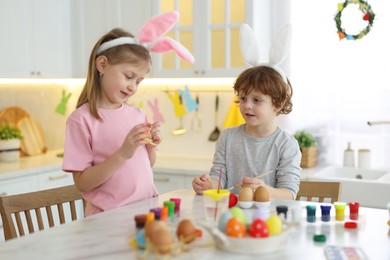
pixel 368 15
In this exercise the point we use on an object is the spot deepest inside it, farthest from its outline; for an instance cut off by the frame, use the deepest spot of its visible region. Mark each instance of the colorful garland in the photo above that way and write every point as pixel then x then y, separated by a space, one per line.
pixel 368 15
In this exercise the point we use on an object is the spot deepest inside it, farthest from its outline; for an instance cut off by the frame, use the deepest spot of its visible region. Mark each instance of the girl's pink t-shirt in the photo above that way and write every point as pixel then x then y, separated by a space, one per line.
pixel 89 141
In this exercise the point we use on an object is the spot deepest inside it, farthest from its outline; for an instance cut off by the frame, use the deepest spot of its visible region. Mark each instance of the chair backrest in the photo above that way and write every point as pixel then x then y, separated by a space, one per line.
pixel 320 190
pixel 14 206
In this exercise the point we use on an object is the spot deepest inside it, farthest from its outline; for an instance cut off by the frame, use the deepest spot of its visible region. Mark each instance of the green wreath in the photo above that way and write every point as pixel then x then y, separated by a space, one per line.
pixel 368 15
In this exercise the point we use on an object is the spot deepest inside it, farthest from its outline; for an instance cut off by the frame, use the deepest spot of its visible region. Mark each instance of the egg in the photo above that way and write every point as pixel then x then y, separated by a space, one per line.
pixel 238 213
pixel 261 194
pixel 274 224
pixel 163 241
pixel 223 219
pixel 152 227
pixel 235 228
pixel 246 194
pixel 186 231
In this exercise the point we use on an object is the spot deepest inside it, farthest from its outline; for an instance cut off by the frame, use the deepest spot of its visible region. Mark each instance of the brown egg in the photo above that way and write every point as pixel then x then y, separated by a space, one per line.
pixel 246 194
pixel 261 194
pixel 163 241
pixel 186 231
pixel 152 227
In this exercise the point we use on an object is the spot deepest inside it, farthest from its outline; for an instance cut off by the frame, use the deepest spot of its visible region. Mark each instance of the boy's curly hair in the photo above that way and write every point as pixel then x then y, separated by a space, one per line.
pixel 267 81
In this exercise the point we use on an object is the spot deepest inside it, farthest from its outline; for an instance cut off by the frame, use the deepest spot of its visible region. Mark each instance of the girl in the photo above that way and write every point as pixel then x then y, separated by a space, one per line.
pixel 109 144
pixel 259 145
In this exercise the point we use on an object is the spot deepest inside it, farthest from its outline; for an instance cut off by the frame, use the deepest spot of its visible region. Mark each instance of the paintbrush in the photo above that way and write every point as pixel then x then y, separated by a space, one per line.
pixel 257 177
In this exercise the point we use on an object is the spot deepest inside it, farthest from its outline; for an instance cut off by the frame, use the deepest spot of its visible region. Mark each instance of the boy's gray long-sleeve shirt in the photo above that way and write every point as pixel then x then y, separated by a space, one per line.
pixel 240 155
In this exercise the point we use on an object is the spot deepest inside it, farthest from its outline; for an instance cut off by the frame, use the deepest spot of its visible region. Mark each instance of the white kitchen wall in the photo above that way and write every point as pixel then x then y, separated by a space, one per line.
pixel 340 85
pixel 40 100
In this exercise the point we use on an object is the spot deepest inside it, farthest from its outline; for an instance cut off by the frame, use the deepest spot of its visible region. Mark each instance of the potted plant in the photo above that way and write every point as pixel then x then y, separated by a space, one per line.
pixel 308 146
pixel 9 143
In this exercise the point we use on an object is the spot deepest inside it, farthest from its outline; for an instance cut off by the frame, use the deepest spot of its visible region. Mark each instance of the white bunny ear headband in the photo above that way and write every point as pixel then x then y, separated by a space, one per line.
pixel 151 37
pixel 250 48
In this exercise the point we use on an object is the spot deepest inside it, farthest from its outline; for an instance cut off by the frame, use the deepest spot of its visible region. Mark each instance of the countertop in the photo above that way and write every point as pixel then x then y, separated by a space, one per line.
pixel 166 163
pixel 106 235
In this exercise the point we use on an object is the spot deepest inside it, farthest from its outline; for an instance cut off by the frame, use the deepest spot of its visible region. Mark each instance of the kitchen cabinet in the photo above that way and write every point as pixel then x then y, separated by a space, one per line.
pixel 35 38
pixel 210 30
pixel 166 182
pixel 91 19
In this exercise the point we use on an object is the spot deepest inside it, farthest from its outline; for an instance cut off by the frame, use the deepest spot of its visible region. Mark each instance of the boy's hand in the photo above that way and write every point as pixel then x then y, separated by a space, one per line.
pixel 202 183
pixel 252 182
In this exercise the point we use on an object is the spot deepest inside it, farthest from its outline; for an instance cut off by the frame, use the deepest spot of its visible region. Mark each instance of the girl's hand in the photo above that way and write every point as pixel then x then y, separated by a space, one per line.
pixel 155 133
pixel 202 183
pixel 252 182
pixel 134 139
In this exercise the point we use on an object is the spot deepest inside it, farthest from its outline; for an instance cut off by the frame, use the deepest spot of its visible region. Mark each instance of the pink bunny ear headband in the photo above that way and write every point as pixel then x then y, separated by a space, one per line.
pixel 151 37
pixel 279 49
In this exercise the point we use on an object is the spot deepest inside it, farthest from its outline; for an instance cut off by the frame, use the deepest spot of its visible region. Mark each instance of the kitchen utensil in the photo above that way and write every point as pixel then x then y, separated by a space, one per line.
pixel 257 177
pixel 181 130
pixel 215 133
pixel 33 142
pixel 196 123
pixel 11 115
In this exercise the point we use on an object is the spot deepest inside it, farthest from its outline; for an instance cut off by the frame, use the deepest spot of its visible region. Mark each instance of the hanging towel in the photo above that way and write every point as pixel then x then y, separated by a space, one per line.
pixel 233 117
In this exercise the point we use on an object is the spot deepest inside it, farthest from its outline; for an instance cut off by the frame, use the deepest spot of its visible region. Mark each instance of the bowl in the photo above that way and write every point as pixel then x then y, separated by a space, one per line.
pixel 248 245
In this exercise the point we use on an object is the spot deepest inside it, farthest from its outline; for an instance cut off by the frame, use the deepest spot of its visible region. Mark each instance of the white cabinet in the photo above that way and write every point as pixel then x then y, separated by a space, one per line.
pixel 166 182
pixel 54 179
pixel 91 19
pixel 35 38
pixel 210 30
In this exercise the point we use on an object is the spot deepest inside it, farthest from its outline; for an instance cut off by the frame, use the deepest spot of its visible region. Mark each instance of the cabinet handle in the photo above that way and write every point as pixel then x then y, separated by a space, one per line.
pixel 3 194
pixel 161 179
pixel 57 177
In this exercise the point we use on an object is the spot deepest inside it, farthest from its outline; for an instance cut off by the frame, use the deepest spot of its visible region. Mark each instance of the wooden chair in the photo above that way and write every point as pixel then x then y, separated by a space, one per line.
pixel 320 190
pixel 14 206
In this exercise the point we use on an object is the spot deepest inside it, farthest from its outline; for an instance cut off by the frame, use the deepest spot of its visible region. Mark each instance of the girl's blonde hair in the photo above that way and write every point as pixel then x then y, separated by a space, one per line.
pixel 129 53
pixel 269 82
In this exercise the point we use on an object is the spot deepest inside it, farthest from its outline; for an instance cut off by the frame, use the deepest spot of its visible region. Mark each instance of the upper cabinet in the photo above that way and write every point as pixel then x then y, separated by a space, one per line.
pixel 35 38
pixel 91 19
pixel 210 30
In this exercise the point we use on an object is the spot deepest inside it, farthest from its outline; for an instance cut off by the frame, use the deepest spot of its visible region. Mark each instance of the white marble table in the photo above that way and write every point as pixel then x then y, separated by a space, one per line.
pixel 106 235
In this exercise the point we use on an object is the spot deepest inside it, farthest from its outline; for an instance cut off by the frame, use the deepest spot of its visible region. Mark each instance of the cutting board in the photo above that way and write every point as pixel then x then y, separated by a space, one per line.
pixel 12 115
pixel 33 142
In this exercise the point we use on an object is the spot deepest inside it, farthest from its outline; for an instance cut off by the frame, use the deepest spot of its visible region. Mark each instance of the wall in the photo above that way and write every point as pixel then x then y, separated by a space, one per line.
pixel 339 85
pixel 40 100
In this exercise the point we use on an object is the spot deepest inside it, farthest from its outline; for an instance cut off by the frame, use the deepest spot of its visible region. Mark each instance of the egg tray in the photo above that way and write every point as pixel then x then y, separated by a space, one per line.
pixel 250 204
pixel 151 251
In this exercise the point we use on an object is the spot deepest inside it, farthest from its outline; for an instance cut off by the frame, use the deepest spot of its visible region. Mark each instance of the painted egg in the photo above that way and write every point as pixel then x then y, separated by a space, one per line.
pixel 258 229
pixel 238 213
pixel 261 213
pixel 274 224
pixel 235 228
pixel 246 194
pixel 186 231
pixel 261 194
pixel 223 219
pixel 232 200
